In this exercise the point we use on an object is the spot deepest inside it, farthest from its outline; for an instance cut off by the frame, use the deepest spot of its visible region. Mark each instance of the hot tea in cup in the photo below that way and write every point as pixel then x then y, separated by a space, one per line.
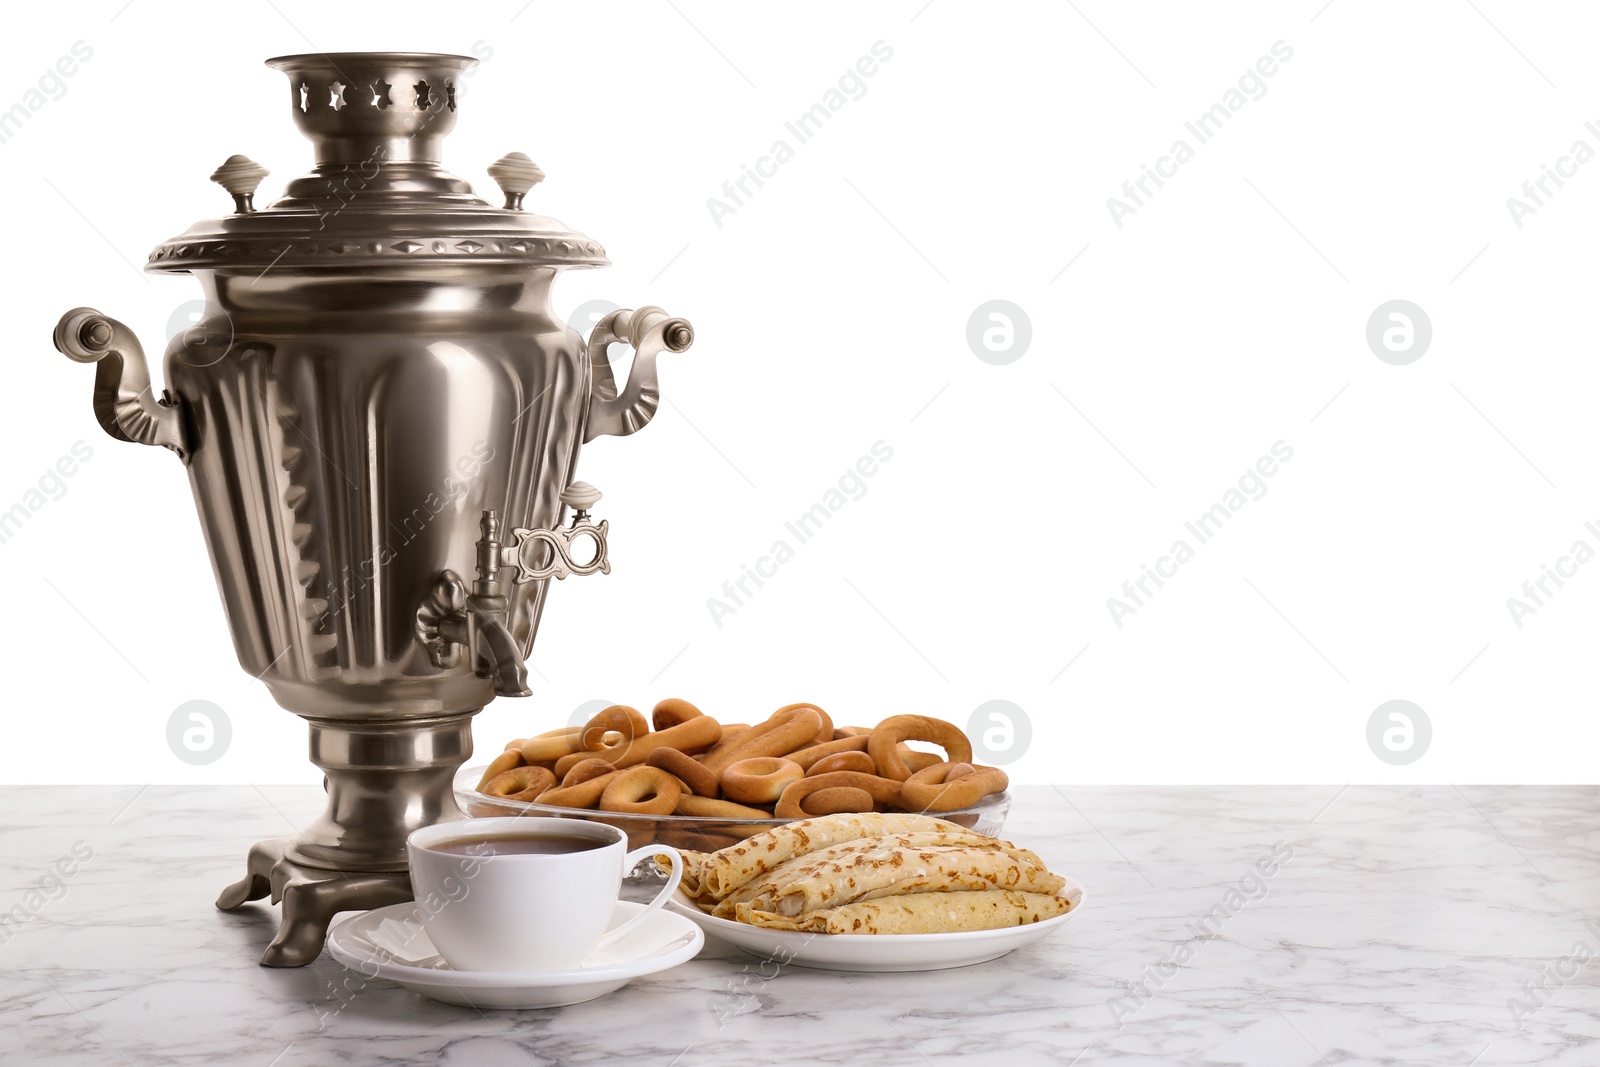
pixel 525 894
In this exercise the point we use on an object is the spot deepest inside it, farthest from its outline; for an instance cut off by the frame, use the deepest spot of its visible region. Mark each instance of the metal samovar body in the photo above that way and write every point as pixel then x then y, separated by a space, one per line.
pixel 381 418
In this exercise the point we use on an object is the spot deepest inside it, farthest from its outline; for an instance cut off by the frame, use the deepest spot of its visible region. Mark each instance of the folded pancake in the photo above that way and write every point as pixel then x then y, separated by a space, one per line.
pixel 919 913
pixel 873 873
pixel 768 884
pixel 731 867
pixel 869 875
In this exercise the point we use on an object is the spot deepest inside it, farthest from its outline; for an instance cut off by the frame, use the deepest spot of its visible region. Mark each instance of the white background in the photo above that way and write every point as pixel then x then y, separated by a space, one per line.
pixel 831 311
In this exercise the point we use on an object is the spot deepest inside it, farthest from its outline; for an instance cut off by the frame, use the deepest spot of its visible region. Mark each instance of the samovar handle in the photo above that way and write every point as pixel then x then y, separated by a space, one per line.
pixel 124 402
pixel 650 331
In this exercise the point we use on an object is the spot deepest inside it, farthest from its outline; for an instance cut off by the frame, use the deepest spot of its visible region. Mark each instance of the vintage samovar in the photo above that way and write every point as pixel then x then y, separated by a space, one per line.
pixel 380 415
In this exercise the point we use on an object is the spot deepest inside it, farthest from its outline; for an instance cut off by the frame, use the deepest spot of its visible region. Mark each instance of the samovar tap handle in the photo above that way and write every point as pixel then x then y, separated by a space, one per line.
pixel 650 331
pixel 124 401
pixel 555 546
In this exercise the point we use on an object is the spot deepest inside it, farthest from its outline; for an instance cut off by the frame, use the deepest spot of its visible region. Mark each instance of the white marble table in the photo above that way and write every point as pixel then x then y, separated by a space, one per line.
pixel 1399 926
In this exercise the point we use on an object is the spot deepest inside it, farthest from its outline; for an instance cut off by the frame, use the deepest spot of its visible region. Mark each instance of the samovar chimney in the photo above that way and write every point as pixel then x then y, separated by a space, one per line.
pixel 390 106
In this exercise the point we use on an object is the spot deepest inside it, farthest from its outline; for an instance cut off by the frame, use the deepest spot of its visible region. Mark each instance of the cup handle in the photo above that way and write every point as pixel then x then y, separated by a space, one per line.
pixel 628 863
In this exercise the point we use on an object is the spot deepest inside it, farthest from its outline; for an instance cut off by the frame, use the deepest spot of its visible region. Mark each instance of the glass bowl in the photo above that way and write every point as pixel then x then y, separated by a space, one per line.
pixel 987 816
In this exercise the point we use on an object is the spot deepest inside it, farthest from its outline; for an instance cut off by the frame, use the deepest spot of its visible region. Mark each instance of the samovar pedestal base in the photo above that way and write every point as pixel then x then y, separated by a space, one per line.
pixel 384 779
pixel 311 897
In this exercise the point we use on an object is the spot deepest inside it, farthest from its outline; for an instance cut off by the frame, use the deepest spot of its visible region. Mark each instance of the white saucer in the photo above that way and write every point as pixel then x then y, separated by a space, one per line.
pixel 877 952
pixel 391 943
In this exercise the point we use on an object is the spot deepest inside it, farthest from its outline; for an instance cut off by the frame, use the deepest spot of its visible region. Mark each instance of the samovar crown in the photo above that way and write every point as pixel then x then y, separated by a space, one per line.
pixel 379 197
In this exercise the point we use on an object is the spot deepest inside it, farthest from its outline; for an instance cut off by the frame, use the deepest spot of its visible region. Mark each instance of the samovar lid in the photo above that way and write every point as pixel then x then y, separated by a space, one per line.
pixel 378 196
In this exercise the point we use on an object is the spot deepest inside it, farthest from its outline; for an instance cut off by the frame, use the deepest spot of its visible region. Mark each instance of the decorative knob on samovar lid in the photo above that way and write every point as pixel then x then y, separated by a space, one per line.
pixel 515 173
pixel 240 175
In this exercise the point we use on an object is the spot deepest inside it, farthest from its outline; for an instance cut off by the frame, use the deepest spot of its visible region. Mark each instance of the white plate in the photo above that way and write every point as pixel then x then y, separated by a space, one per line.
pixel 877 952
pixel 390 943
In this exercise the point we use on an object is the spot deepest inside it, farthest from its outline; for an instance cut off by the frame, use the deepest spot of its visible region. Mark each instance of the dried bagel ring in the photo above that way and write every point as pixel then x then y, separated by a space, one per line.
pixel 564 765
pixel 691 735
pixel 520 783
pixel 897 728
pixel 585 770
pixel 672 711
pixel 545 749
pixel 628 722
pixel 707 808
pixel 695 776
pixel 808 756
pixel 732 734
pixel 885 792
pixel 950 786
pixel 514 745
pixel 824 732
pixel 916 760
pixel 583 794
pixel 550 745
pixel 843 761
pixel 500 765
pixel 642 790
pixel 778 736
pixel 759 779
pixel 835 800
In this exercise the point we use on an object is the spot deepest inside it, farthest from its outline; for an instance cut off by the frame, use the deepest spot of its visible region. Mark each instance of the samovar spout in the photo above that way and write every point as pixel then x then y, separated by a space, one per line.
pixel 505 659
pixel 124 402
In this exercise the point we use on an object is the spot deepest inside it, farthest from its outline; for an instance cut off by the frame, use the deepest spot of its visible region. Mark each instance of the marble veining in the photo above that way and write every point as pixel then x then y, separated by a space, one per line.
pixel 1274 926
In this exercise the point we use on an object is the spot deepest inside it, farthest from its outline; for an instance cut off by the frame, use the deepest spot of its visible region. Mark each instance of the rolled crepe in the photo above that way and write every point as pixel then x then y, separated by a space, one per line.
pixel 731 867
pixel 693 871
pixel 919 913
pixel 874 873
pixel 767 885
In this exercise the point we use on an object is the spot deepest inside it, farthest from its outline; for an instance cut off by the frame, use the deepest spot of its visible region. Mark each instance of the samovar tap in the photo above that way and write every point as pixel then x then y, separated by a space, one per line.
pixel 452 619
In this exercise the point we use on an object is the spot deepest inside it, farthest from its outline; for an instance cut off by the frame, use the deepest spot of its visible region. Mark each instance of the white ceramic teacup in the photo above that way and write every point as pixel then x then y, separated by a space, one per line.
pixel 525 913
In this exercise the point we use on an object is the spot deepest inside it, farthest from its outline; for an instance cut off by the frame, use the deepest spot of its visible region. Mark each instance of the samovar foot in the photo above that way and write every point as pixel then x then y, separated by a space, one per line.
pixel 311 897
